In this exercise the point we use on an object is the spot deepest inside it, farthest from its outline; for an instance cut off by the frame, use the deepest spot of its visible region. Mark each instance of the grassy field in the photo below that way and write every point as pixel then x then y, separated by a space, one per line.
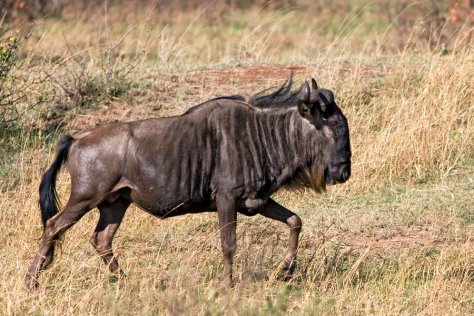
pixel 397 238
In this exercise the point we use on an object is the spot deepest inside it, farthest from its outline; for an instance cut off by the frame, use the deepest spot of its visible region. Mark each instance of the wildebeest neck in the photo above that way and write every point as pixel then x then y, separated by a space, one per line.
pixel 262 150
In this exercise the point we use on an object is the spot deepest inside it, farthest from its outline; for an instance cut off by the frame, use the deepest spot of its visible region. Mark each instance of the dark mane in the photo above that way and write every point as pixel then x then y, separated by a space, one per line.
pixel 284 96
pixel 234 97
pixel 200 106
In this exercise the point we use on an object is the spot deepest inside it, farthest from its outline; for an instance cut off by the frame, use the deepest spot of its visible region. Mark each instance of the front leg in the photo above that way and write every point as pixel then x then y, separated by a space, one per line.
pixel 275 211
pixel 226 208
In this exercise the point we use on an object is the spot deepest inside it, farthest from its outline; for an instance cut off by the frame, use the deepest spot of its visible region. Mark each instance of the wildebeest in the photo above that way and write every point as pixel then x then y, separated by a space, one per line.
pixel 225 155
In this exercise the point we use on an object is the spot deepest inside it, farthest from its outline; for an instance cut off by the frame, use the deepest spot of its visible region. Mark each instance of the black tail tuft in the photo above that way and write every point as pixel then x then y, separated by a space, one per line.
pixel 48 200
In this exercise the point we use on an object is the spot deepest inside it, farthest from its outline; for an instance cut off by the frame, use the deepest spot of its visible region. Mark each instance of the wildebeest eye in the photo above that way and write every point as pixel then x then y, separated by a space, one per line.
pixel 323 107
pixel 326 100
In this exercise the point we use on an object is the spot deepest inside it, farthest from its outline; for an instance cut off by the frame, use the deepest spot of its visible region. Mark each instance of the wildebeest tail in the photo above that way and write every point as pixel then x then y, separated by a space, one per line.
pixel 49 203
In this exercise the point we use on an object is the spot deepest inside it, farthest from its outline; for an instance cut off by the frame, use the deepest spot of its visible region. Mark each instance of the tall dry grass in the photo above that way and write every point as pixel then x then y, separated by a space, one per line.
pixel 396 239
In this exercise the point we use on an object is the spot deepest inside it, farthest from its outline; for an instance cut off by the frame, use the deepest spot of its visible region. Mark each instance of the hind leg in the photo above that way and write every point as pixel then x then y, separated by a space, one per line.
pixel 111 215
pixel 54 228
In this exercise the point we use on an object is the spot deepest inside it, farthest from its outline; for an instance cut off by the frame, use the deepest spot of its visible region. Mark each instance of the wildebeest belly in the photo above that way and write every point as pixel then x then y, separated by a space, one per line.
pixel 164 209
pixel 170 169
pixel 164 206
pixel 163 201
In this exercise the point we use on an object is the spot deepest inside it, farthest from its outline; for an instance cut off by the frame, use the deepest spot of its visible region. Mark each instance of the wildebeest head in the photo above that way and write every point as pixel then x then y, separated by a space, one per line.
pixel 320 109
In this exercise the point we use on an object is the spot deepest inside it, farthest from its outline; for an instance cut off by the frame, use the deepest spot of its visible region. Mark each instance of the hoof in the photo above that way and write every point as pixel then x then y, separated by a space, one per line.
pixel 227 282
pixel 31 282
pixel 120 274
pixel 285 277
pixel 117 275
pixel 228 285
pixel 287 270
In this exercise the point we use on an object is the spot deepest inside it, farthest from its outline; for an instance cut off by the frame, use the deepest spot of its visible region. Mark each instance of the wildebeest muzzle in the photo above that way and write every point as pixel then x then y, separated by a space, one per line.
pixel 338 173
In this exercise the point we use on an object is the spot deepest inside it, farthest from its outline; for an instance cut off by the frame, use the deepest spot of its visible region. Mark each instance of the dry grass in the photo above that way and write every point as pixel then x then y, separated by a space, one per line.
pixel 396 239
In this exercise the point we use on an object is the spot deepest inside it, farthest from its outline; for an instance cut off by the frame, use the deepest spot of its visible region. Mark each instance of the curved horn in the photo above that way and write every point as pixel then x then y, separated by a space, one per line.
pixel 314 84
pixel 304 92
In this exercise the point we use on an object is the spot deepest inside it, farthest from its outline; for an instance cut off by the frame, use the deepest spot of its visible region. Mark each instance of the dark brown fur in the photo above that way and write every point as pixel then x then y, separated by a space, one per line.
pixel 224 155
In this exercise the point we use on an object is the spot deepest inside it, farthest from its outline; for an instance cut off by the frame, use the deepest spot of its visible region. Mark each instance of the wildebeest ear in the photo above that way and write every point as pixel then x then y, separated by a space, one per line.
pixel 314 84
pixel 304 92
pixel 313 117
pixel 303 103
pixel 304 110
